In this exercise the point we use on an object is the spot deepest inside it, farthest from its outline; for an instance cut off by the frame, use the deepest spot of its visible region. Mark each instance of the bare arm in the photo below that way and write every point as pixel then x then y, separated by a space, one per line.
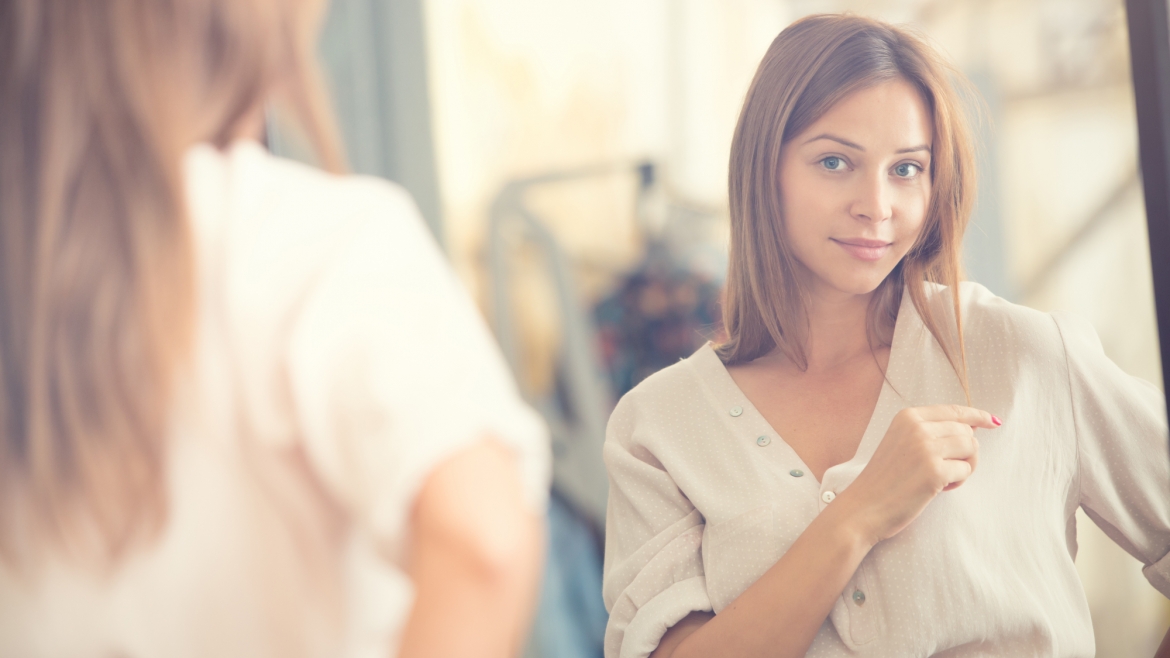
pixel 779 615
pixel 475 559
pixel 927 450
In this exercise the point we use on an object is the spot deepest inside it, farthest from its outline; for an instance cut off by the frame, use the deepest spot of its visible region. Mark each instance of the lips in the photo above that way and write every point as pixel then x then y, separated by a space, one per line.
pixel 863 249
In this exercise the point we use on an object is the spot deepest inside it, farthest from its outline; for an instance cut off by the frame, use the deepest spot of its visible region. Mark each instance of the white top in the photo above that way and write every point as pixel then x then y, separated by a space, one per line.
pixel 705 497
pixel 338 361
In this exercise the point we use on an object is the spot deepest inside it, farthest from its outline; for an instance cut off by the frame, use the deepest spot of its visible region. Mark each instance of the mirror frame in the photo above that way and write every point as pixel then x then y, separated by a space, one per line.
pixel 1149 53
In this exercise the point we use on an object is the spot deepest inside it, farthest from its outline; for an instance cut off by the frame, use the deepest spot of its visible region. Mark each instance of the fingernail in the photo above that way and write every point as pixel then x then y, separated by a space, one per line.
pixel 997 421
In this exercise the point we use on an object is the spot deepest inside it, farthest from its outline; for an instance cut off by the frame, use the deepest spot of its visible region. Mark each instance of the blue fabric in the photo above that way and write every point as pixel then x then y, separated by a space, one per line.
pixel 570 619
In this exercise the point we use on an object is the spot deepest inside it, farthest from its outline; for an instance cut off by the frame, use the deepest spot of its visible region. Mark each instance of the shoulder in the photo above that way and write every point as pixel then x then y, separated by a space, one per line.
pixel 246 194
pixel 1010 349
pixel 997 334
pixel 338 198
pixel 665 397
pixel 277 223
pixel 270 232
pixel 990 320
pixel 323 201
pixel 984 311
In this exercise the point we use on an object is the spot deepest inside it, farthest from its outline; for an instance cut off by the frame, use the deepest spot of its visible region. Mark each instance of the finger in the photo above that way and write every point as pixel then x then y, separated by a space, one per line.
pixel 973 460
pixel 957 447
pixel 955 470
pixel 947 428
pixel 957 412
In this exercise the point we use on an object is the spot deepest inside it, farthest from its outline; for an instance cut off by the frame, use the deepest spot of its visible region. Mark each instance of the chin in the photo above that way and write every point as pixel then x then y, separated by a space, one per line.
pixel 861 289
pixel 847 275
pixel 860 283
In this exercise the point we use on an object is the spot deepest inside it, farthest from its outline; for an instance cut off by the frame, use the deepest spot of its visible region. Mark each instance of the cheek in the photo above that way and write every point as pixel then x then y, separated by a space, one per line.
pixel 913 213
pixel 913 225
pixel 806 205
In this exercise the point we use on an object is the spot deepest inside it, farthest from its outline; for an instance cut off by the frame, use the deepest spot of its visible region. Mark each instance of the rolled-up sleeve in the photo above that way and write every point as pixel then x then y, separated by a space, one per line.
pixel 653 560
pixel 1123 470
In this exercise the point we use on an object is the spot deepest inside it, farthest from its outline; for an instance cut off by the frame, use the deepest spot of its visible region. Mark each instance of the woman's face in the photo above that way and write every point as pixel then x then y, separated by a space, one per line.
pixel 854 187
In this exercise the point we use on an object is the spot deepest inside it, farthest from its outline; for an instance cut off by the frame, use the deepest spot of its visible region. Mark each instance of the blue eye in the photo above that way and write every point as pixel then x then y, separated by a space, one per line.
pixel 907 170
pixel 833 163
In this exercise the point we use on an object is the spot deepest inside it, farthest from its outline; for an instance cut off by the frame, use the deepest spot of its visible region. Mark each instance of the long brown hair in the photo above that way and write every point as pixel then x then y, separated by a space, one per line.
pixel 99 99
pixel 810 66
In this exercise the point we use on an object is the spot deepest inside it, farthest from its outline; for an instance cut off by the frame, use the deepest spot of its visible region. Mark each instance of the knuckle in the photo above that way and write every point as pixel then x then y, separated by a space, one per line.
pixel 940 479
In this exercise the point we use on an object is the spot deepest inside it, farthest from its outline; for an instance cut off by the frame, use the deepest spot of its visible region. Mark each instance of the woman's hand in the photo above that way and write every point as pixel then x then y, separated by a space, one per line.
pixel 926 450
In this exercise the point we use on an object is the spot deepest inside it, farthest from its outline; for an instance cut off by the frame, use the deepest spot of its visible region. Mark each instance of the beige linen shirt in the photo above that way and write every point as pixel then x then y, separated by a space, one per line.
pixel 705 496
pixel 338 361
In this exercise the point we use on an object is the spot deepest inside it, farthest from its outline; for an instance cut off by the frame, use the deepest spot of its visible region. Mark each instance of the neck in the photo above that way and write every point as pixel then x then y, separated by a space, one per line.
pixel 837 325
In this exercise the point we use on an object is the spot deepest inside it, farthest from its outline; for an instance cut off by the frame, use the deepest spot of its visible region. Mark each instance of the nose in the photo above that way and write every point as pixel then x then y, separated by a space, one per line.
pixel 871 200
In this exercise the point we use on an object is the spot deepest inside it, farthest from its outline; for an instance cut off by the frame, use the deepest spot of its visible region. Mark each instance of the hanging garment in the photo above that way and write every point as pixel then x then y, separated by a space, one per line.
pixel 658 315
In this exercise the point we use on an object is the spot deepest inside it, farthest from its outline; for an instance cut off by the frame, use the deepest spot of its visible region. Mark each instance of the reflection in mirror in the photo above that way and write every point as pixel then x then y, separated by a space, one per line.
pixel 1057 225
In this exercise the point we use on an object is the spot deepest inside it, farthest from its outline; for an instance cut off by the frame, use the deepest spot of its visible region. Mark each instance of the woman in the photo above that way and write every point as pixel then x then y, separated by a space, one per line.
pixel 247 410
pixel 810 486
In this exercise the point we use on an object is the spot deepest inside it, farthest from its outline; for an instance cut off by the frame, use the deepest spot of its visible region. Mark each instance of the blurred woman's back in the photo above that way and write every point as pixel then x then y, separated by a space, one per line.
pixel 219 420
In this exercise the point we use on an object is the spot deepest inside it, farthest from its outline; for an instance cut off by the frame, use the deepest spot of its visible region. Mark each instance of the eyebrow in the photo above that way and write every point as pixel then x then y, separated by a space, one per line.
pixel 852 145
pixel 834 138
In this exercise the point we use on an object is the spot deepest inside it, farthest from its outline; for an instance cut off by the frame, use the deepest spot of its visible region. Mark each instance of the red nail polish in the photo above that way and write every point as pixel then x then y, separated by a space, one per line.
pixel 997 421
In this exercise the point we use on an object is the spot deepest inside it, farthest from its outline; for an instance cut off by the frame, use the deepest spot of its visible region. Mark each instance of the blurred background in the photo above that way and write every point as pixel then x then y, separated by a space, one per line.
pixel 571 156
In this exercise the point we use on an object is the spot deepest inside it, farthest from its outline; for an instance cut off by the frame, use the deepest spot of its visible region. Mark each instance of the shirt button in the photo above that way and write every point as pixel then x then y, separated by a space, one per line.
pixel 796 472
pixel 828 496
pixel 859 597
pixel 763 441
pixel 737 411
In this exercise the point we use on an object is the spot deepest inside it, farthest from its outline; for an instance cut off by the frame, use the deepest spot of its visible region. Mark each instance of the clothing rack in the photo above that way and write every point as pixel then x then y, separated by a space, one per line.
pixel 577 420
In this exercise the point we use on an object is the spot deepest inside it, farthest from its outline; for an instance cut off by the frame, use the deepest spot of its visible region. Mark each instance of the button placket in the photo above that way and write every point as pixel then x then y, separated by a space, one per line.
pixel 763 440
pixel 835 480
pixel 865 621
